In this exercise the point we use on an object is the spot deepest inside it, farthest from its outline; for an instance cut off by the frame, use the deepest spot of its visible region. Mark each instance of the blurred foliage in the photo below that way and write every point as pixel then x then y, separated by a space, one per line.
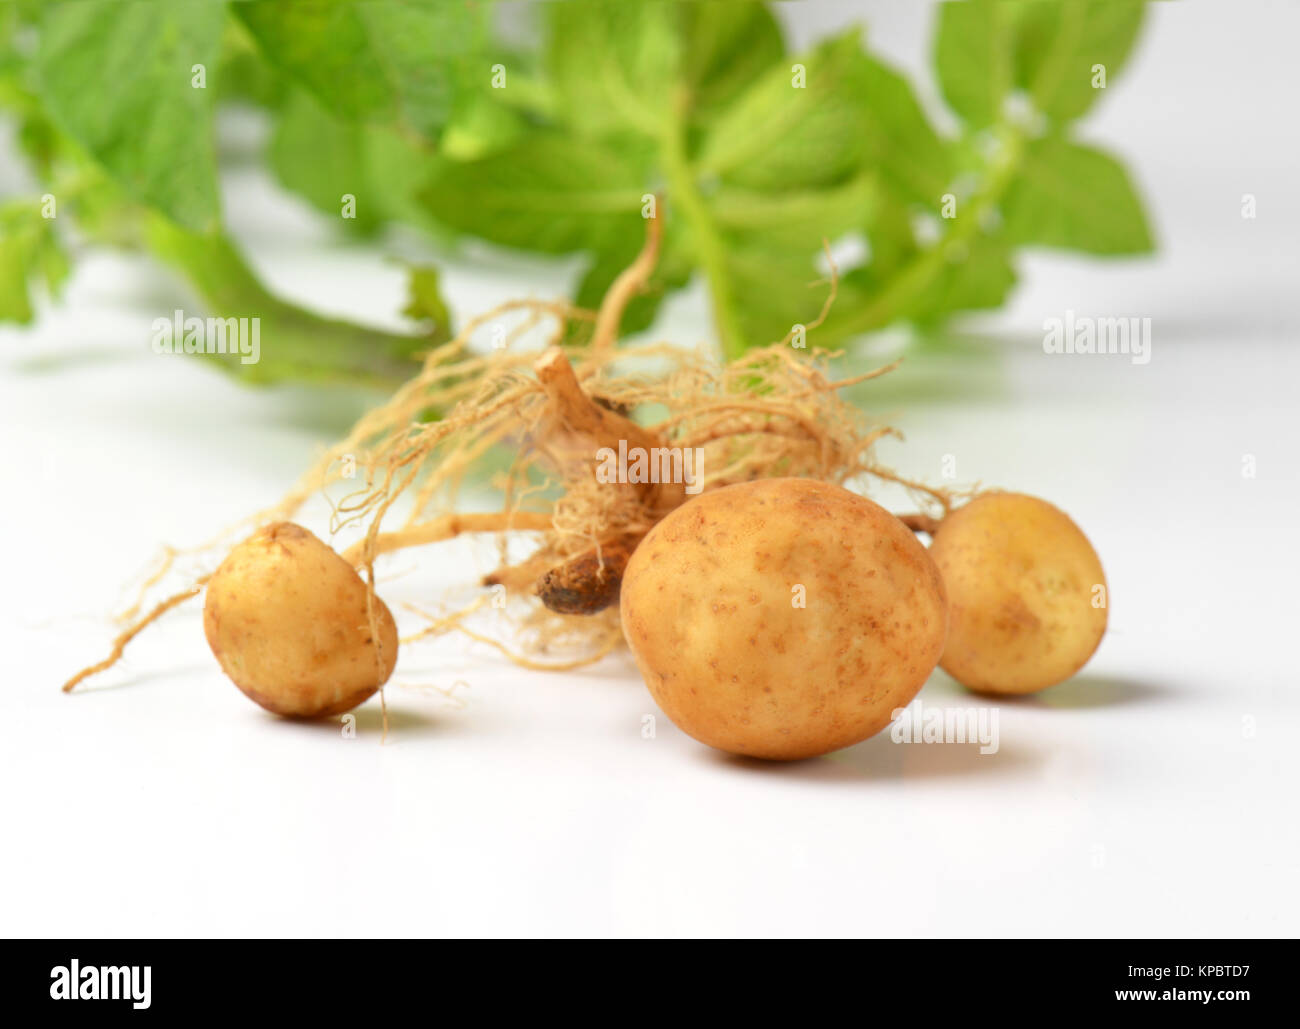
pixel 428 117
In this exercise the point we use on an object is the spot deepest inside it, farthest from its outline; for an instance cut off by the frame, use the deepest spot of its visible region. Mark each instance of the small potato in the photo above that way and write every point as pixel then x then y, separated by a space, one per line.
pixel 1026 594
pixel 782 618
pixel 286 618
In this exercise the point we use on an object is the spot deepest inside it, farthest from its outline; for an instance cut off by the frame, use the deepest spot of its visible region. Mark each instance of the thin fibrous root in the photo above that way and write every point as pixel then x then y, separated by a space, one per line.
pixel 445 528
pixel 438 625
pixel 773 411
pixel 128 634
pixel 921 523
pixel 943 496
pixel 827 304
pixel 521 576
pixel 629 282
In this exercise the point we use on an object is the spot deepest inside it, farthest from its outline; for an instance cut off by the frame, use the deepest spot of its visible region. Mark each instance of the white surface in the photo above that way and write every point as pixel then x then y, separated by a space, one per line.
pixel 1132 801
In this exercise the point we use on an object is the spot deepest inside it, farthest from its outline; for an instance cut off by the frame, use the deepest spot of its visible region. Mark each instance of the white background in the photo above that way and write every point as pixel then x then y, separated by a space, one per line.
pixel 1154 794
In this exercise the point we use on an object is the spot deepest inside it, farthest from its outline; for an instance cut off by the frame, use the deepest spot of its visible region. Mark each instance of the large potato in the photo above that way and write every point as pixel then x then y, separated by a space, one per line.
pixel 1026 593
pixel 286 618
pixel 782 618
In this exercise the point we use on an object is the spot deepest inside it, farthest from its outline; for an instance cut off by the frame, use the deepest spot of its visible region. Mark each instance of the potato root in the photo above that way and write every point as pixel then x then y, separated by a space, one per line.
pixel 289 621
pixel 1026 593
pixel 782 618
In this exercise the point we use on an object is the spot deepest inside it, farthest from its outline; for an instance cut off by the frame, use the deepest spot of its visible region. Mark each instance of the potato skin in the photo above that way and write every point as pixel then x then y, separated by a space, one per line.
pixel 707 608
pixel 286 618
pixel 1020 577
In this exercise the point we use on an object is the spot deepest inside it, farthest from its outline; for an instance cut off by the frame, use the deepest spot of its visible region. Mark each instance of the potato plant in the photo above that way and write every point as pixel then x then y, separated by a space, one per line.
pixel 772 611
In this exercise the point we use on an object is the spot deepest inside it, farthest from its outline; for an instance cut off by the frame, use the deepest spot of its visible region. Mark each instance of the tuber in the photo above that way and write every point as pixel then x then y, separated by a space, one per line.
pixel 1026 591
pixel 782 618
pixel 291 623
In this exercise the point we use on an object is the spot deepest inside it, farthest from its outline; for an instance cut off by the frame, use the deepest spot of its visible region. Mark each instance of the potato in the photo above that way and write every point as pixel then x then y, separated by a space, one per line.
pixel 286 618
pixel 1026 594
pixel 782 618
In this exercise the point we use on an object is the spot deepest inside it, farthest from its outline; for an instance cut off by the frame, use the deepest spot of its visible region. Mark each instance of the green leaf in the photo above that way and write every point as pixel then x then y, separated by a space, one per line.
pixel 425 302
pixel 798 125
pixel 1060 44
pixel 775 290
pixel 31 258
pixel 973 59
pixel 244 73
pixel 795 219
pixel 890 233
pixel 913 161
pixel 384 61
pixel 116 76
pixel 978 276
pixel 614 64
pixel 1077 198
pixel 618 67
pixel 727 47
pixel 296 345
pixel 551 193
pixel 480 127
pixel 322 159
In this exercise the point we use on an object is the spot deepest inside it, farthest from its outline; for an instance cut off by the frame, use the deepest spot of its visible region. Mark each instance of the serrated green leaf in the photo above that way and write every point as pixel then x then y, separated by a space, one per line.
pixel 1060 44
pixel 913 161
pixel 621 67
pixel 799 125
pixel 551 193
pixel 116 76
pixel 727 47
pixel 1077 198
pixel 614 64
pixel 385 61
pixel 973 59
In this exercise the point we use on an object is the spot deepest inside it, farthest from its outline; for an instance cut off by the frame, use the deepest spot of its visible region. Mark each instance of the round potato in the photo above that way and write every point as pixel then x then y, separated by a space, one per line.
pixel 1026 594
pixel 782 618
pixel 287 619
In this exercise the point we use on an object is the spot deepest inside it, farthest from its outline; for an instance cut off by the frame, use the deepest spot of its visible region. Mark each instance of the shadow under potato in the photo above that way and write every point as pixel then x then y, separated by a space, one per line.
pixel 880 759
pixel 1085 691
pixel 369 722
pixel 1078 693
